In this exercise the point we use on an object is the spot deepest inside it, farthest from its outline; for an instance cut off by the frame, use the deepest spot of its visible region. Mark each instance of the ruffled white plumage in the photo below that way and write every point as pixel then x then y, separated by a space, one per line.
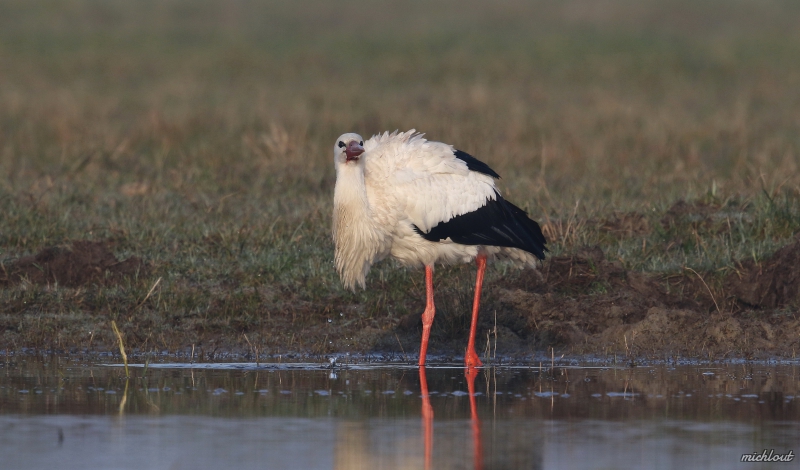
pixel 402 181
pixel 428 183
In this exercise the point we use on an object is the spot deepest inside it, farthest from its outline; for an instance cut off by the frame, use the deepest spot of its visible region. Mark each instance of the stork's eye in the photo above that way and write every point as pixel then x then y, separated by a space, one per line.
pixel 361 143
pixel 341 144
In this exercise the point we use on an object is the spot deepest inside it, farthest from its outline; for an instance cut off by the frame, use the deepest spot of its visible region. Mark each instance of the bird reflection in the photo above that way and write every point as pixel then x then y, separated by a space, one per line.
pixel 459 443
pixel 477 446
pixel 427 418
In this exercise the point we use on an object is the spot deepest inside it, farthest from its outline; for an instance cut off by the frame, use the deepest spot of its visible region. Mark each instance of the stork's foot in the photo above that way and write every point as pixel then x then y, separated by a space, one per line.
pixel 471 359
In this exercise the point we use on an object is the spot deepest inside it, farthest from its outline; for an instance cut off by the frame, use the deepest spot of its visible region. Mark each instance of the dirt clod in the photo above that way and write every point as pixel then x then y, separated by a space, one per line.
pixel 71 265
pixel 696 214
pixel 773 283
pixel 626 224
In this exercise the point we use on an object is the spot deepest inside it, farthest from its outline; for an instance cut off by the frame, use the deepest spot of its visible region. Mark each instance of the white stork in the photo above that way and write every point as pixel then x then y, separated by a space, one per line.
pixel 422 203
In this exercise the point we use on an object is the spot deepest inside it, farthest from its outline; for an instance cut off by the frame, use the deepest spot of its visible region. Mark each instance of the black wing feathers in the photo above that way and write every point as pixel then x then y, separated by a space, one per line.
pixel 498 223
pixel 473 164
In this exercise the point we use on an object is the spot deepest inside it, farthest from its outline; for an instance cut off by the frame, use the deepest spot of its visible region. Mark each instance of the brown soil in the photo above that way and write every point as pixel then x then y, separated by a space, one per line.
pixel 76 264
pixel 587 304
pixel 774 283
pixel 579 304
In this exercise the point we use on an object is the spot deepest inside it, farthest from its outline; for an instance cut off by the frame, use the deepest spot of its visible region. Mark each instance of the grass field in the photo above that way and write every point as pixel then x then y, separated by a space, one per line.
pixel 197 135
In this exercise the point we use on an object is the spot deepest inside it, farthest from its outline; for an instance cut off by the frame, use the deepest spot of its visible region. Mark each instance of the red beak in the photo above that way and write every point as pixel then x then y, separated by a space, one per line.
pixel 353 150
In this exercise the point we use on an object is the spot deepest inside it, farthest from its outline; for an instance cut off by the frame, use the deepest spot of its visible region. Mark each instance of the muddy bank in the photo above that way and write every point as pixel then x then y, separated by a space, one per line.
pixel 579 304
pixel 587 304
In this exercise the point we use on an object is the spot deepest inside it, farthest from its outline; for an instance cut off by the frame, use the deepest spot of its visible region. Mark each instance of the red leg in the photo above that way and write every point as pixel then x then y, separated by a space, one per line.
pixel 471 357
pixel 477 445
pixel 427 417
pixel 427 315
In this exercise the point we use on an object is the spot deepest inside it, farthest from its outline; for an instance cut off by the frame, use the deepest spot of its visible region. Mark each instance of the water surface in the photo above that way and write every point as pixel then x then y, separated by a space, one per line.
pixel 59 413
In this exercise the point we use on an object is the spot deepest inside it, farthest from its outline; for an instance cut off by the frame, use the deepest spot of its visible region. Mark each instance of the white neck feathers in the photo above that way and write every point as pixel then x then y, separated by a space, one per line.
pixel 356 236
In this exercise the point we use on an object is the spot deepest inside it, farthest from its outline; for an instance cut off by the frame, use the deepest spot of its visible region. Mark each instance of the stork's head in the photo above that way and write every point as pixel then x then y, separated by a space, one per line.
pixel 348 149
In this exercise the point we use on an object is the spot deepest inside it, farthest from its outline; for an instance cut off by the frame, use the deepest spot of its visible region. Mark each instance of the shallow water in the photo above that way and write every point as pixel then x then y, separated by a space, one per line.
pixel 58 413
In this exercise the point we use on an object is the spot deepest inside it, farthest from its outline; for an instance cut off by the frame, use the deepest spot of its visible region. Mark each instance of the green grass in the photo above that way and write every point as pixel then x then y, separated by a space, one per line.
pixel 198 136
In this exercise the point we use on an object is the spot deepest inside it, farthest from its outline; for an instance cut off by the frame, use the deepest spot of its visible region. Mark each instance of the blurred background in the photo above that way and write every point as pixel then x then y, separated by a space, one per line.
pixel 617 98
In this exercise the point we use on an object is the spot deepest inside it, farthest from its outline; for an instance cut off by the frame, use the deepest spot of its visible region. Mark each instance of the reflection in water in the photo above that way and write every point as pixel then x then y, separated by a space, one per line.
pixel 477 446
pixel 427 416
pixel 57 413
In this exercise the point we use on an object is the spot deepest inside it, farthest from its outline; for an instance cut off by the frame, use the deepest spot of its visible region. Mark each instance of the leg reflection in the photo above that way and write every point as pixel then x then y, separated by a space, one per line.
pixel 477 446
pixel 427 417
